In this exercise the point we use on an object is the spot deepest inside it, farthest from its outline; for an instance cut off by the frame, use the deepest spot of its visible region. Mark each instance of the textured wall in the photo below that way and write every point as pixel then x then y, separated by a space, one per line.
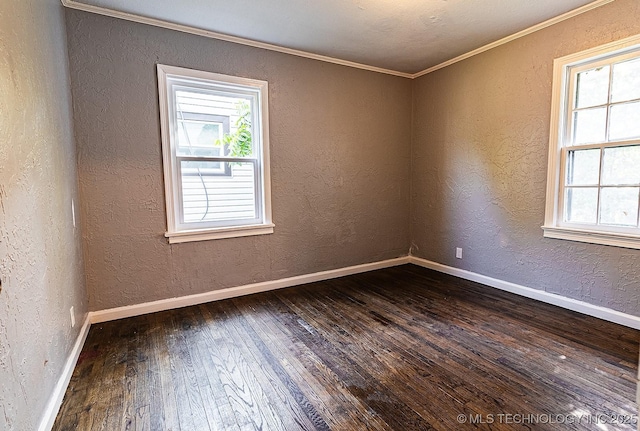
pixel 479 165
pixel 340 148
pixel 40 251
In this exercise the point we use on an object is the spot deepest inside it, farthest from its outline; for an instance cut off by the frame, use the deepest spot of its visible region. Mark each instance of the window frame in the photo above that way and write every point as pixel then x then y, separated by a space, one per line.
pixel 560 143
pixel 179 231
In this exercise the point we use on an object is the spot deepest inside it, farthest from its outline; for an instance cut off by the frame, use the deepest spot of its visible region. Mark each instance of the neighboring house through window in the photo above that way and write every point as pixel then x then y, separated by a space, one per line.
pixel 593 186
pixel 215 154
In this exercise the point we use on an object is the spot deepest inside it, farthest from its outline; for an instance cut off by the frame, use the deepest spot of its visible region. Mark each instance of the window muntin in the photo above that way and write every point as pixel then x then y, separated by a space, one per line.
pixel 594 173
pixel 215 149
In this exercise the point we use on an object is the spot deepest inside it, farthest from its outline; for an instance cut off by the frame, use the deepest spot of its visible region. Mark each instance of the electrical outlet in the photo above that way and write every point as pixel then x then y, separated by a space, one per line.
pixel 73 317
pixel 458 252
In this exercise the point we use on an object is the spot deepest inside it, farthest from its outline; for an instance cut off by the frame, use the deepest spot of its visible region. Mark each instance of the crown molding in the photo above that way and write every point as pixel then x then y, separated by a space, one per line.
pixel 73 4
pixel 518 35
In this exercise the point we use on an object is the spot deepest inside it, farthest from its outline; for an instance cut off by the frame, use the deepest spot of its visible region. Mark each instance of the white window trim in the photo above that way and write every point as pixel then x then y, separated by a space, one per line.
pixel 173 233
pixel 553 227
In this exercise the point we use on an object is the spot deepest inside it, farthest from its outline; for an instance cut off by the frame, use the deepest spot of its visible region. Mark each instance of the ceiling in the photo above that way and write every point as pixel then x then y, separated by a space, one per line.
pixel 406 36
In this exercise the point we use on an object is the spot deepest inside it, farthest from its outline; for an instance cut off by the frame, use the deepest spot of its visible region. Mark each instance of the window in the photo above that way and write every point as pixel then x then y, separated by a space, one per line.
pixel 215 154
pixel 593 192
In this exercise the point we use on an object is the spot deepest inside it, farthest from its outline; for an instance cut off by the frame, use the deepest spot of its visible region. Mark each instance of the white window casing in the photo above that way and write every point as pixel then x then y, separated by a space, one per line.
pixel 211 192
pixel 565 145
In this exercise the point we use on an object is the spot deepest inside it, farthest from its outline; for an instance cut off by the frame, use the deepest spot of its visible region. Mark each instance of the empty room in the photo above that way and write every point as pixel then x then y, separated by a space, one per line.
pixel 329 215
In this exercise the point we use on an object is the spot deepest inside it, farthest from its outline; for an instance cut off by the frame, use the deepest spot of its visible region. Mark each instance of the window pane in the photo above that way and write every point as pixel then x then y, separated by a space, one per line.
pixel 619 206
pixel 625 121
pixel 204 168
pixel 592 87
pixel 237 140
pixel 581 205
pixel 583 167
pixel 199 138
pixel 626 81
pixel 209 195
pixel 589 126
pixel 621 165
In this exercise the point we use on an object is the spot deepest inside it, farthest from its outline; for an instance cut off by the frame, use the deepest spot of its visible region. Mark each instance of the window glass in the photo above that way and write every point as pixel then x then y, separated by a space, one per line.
pixel 625 121
pixel 619 206
pixel 589 126
pixel 621 166
pixel 583 167
pixel 218 197
pixel 626 81
pixel 592 87
pixel 581 205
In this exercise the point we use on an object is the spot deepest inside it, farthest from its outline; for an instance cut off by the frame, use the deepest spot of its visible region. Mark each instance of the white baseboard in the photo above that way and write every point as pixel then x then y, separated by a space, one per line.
pixel 55 401
pixel 232 292
pixel 540 295
pixel 57 396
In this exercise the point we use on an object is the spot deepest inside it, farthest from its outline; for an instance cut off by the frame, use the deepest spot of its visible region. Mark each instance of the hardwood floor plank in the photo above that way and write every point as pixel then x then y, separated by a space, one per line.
pixel 114 383
pixel 536 381
pixel 238 381
pixel 210 405
pixel 318 384
pixel 146 382
pixel 129 386
pixel 225 419
pixel 189 402
pixel 402 348
pixel 359 382
pixel 176 367
pixel 254 374
pixel 392 369
pixel 568 370
pixel 163 405
pixel 292 407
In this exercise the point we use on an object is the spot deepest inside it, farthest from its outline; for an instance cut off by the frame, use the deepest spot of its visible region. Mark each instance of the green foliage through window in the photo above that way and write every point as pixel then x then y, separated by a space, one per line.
pixel 239 142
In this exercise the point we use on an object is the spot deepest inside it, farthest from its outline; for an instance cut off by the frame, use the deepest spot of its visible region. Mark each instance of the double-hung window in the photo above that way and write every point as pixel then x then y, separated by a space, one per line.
pixel 593 188
pixel 215 154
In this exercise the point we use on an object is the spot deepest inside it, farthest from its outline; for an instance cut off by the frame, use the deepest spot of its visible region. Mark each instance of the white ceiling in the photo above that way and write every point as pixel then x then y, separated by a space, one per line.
pixel 400 35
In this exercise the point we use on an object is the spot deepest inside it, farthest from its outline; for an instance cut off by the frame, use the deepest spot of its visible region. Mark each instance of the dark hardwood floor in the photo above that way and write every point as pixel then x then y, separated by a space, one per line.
pixel 397 349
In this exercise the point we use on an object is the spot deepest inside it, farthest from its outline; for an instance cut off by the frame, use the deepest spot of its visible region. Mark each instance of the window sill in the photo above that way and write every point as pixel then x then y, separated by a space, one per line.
pixel 593 237
pixel 218 233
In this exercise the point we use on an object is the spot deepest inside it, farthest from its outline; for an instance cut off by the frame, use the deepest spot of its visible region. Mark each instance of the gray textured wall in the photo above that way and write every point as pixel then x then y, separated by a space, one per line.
pixel 340 148
pixel 40 251
pixel 479 165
